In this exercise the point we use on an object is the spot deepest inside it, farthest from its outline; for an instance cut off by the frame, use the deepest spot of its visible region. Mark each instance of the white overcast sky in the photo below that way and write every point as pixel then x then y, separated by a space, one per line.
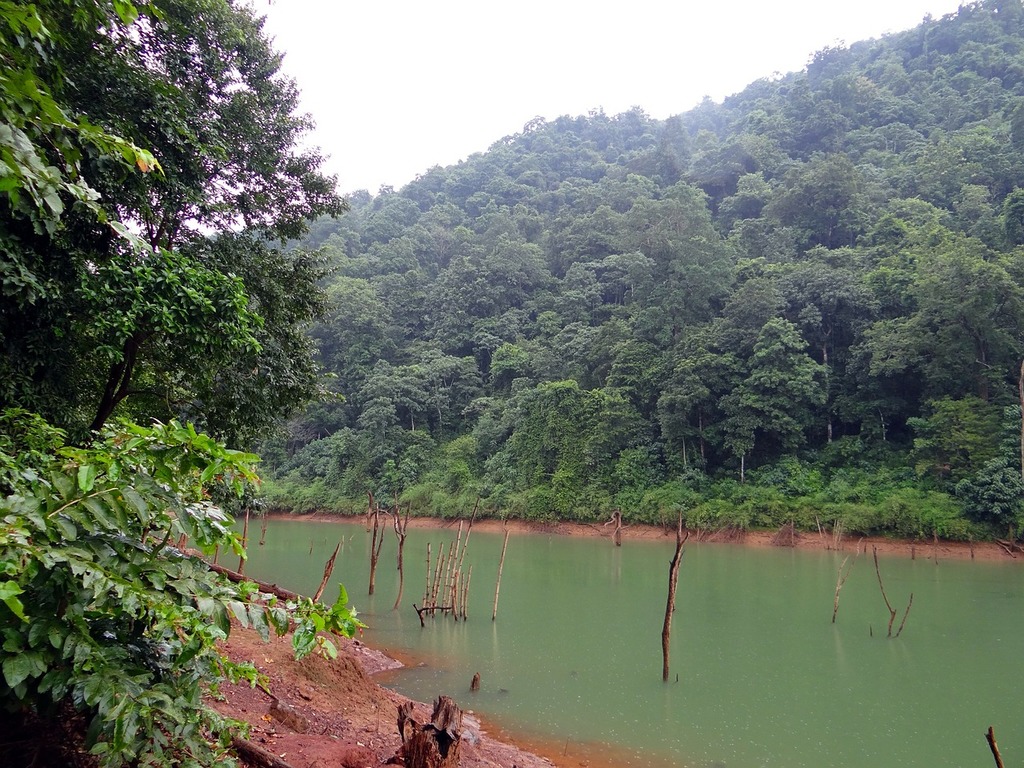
pixel 397 87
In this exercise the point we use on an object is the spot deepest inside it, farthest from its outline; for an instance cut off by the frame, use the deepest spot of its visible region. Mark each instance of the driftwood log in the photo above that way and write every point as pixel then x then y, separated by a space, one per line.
pixel 255 755
pixel 271 589
pixel 435 744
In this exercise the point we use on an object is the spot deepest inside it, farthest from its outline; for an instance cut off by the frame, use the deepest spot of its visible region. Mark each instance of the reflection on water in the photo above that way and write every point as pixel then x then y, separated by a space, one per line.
pixel 765 678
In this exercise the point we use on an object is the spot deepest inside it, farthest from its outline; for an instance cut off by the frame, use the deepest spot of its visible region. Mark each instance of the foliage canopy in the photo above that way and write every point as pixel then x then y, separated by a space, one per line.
pixel 822 272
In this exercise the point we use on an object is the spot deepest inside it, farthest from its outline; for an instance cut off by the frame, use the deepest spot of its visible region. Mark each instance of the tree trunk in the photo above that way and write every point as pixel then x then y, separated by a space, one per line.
pixel 1020 392
pixel 245 542
pixel 824 362
pixel 119 378
pixel 401 530
pixel 670 606
pixel 991 737
pixel 255 755
pixel 497 585
pixel 376 542
pixel 435 744
pixel 328 570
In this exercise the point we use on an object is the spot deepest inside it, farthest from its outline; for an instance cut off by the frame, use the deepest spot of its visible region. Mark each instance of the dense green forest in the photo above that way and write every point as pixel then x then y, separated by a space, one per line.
pixel 805 303
pixel 150 174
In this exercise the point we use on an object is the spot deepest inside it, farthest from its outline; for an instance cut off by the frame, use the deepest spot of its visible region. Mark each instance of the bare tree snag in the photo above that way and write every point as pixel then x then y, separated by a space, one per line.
pixel 438 570
pixel 475 683
pixel 465 594
pixel 245 538
pixel 458 546
pixel 328 570
pixel 497 586
pixel 892 611
pixel 401 529
pixel 670 605
pixel 263 530
pixel 617 533
pixel 449 567
pixel 447 587
pixel 905 614
pixel 435 744
pixel 377 540
pixel 469 530
pixel 453 596
pixel 426 587
pixel 881 586
pixel 837 535
pixel 840 580
pixel 991 737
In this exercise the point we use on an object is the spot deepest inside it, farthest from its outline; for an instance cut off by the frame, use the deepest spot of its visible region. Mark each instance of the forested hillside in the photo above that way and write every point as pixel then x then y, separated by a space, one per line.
pixel 805 303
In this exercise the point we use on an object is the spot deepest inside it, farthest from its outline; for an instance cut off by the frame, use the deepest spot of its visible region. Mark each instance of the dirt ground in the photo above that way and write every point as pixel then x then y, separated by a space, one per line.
pixel 351 721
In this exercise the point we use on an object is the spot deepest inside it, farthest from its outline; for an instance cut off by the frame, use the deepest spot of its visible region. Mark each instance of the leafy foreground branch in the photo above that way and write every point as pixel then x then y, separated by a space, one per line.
pixel 103 620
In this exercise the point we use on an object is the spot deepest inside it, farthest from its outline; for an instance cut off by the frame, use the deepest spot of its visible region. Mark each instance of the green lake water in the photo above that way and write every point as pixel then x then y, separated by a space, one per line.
pixel 765 678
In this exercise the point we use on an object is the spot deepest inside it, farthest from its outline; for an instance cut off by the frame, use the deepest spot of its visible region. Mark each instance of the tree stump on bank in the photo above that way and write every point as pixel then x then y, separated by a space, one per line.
pixel 435 744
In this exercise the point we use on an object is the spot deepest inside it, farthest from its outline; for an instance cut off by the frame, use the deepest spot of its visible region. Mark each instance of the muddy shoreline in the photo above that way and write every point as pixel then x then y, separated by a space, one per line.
pixel 853 544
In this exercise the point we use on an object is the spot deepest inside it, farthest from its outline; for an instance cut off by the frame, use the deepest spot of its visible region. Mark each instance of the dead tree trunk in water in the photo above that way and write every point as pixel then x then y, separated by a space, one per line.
pixel 376 541
pixel 435 744
pixel 328 570
pixel 892 611
pixel 840 580
pixel 670 605
pixel 447 590
pixel 465 594
pixel 991 737
pixel 401 529
pixel 245 541
pixel 469 530
pixel 497 585
pixel 617 519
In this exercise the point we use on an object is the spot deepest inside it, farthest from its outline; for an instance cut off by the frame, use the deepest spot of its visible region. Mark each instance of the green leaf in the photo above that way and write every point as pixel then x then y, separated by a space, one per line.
pixel 23 666
pixel 278 618
pixel 303 640
pixel 190 650
pixel 239 611
pixel 86 477
pixel 9 590
pixel 67 528
pixel 328 649
pixel 342 600
pixel 100 511
pixel 64 484
pixel 259 622
pixel 136 501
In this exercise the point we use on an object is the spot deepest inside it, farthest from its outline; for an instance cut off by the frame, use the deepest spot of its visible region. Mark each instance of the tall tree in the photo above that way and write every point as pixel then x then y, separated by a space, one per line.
pixel 777 399
pixel 146 302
